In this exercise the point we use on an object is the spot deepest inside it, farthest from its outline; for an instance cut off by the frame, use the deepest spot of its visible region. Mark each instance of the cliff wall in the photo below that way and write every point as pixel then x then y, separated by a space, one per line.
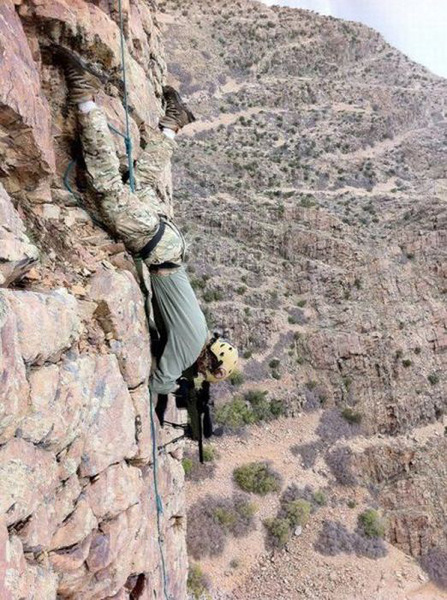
pixel 77 505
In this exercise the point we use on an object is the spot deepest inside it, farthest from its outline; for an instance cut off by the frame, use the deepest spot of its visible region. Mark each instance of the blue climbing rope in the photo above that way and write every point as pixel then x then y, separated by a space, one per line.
pixel 128 142
pixel 127 139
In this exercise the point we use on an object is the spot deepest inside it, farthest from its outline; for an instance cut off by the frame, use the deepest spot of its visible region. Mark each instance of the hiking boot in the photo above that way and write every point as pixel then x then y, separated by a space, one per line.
pixel 177 114
pixel 83 80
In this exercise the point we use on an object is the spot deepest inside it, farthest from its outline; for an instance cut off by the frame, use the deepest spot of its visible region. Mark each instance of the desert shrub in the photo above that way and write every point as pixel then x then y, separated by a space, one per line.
pixel 278 532
pixel 434 564
pixel 204 536
pixel 237 378
pixel 235 414
pixel 188 466
pixel 319 497
pixel 433 378
pixel 308 453
pixel 212 519
pixel 351 415
pixel 198 583
pixel 371 523
pixel 297 512
pixel 196 471
pixel 334 538
pixel 254 407
pixel 274 363
pixel 333 426
pixel 339 462
pixel 257 478
pixel 315 396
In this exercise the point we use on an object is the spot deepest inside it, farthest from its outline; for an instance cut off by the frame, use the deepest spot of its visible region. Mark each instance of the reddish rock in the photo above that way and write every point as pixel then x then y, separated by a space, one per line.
pixel 61 403
pixel 114 538
pixel 141 403
pixel 48 324
pixel 121 314
pixel 71 559
pixel 14 389
pixel 27 475
pixel 24 114
pixel 80 19
pixel 111 434
pixel 116 489
pixel 17 253
pixel 76 528
pixel 5 591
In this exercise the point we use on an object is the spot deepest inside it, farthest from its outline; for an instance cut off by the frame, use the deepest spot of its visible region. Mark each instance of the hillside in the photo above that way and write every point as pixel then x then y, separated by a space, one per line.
pixel 313 189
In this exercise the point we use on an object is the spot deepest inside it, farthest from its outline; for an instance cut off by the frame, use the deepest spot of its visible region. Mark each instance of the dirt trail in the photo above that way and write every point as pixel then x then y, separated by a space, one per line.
pixel 396 577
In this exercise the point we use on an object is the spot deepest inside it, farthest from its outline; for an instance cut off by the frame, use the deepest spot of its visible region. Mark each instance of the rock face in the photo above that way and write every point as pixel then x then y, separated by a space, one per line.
pixel 77 505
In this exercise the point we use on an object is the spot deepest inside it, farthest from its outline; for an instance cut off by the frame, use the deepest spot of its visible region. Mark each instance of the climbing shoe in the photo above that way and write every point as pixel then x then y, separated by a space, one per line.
pixel 83 80
pixel 177 114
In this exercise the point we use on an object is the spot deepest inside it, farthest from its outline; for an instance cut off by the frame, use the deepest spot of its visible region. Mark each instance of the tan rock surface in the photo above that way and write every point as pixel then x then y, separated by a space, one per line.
pixel 76 478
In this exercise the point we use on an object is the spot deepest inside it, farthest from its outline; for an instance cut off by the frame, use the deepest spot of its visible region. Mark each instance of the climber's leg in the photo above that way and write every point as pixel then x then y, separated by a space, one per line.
pixel 154 159
pixel 134 221
pixel 160 144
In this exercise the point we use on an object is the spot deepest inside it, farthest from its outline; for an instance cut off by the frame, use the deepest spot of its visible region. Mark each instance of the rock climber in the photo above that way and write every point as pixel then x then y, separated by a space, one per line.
pixel 141 218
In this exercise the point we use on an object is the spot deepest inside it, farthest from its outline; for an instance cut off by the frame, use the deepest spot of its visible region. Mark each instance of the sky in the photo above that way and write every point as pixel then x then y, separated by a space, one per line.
pixel 417 27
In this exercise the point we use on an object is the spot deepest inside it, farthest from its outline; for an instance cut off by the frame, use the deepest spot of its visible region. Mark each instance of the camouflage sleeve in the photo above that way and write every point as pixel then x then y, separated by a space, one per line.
pixel 134 220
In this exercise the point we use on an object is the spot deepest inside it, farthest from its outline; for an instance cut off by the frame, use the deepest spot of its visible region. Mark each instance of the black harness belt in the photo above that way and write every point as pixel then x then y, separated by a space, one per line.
pixel 147 249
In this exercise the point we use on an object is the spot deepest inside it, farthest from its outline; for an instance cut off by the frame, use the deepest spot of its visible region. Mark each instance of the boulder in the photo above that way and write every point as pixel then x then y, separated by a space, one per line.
pixel 47 324
pixel 111 434
pixel 121 315
pixel 25 120
pixel 14 388
pixel 17 253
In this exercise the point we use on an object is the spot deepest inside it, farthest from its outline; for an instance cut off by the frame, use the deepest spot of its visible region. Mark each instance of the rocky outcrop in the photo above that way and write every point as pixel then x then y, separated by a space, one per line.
pixel 78 514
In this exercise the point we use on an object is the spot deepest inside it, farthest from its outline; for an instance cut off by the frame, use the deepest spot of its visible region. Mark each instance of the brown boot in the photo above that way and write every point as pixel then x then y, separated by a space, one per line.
pixel 177 114
pixel 83 80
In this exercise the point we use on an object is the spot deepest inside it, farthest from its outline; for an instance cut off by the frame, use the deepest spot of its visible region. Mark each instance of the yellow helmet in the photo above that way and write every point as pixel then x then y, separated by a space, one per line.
pixel 227 358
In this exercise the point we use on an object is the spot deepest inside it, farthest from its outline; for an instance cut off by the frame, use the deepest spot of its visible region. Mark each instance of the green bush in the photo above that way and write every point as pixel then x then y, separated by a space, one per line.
pixel 274 363
pixel 198 584
pixel 278 531
pixel 372 524
pixel 188 466
pixel 297 512
pixel 237 378
pixel 433 378
pixel 235 414
pixel 209 454
pixel 352 416
pixel 257 478
pixel 319 498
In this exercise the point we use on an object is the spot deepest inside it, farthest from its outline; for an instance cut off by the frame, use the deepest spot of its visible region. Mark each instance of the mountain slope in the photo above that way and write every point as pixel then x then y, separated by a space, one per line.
pixel 313 189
